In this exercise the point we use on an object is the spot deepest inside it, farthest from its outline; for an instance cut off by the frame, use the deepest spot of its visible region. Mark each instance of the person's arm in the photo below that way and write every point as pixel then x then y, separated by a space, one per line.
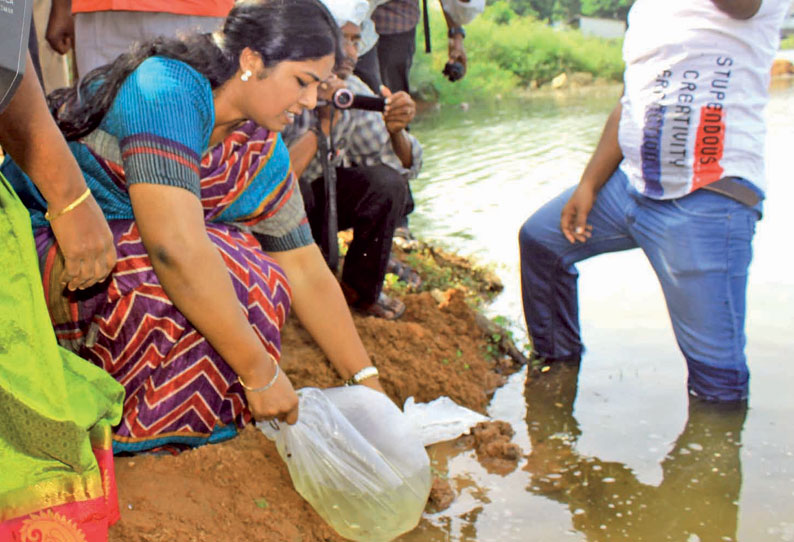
pixel 320 305
pixel 60 26
pixel 738 9
pixel 603 163
pixel 302 151
pixel 196 279
pixel 399 112
pixel 30 136
pixel 457 53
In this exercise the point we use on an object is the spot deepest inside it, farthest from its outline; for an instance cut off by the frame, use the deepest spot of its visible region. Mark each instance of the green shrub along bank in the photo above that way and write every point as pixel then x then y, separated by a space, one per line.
pixel 508 53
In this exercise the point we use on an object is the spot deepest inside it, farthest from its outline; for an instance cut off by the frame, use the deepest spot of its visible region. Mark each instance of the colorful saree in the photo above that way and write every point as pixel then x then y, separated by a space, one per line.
pixel 56 410
pixel 179 391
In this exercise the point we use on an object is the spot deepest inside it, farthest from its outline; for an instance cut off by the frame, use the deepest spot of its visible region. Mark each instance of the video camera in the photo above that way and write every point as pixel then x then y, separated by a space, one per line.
pixel 345 99
pixel 454 71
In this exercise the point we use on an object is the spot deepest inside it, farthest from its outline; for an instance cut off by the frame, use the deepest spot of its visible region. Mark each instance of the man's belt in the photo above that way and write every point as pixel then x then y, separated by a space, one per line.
pixel 731 187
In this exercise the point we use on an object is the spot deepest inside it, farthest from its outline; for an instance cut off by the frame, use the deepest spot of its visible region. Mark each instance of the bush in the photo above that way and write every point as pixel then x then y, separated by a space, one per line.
pixel 500 13
pixel 505 52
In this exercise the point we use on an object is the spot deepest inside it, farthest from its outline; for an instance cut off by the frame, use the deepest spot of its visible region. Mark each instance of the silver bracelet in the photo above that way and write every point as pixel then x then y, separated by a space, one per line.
pixel 362 375
pixel 263 388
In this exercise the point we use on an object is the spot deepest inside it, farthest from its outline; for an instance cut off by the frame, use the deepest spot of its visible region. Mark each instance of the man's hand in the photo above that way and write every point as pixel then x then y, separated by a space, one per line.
pixel 573 218
pixel 326 92
pixel 400 110
pixel 457 53
pixel 60 27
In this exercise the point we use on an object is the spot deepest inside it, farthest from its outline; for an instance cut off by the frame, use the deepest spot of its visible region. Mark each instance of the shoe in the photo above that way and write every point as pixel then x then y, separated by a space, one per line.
pixel 385 307
pixel 404 239
pixel 404 273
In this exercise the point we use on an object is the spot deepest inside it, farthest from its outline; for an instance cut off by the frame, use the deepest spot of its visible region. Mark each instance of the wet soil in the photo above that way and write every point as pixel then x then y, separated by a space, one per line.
pixel 241 490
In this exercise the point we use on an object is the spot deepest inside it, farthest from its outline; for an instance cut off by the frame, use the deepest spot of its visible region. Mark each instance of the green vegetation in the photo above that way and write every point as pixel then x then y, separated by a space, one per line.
pixel 441 270
pixel 787 43
pixel 509 52
pixel 569 10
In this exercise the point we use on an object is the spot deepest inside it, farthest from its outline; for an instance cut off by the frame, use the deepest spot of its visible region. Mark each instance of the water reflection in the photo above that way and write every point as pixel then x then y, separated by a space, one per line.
pixel 631 402
pixel 696 500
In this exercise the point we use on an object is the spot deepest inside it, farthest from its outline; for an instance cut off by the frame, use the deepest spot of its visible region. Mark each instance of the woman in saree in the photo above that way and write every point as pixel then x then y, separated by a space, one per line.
pixel 56 410
pixel 179 142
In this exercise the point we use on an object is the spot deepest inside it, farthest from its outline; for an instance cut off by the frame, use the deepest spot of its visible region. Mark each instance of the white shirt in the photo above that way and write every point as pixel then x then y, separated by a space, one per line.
pixel 696 84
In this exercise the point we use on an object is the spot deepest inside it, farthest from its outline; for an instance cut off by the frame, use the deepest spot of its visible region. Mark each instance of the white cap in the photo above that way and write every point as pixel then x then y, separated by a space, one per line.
pixel 348 11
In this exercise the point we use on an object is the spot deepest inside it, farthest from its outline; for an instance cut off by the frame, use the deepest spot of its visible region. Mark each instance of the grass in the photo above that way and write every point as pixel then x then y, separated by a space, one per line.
pixel 441 270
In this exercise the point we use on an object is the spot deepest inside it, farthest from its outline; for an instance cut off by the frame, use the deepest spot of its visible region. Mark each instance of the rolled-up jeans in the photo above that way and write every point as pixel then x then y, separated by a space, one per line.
pixel 700 247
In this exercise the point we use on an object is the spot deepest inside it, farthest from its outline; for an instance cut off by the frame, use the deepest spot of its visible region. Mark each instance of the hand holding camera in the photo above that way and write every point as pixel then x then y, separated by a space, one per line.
pixel 455 69
pixel 400 110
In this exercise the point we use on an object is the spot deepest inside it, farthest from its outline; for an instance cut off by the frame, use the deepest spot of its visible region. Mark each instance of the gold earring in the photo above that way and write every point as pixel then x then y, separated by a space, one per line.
pixel 246 75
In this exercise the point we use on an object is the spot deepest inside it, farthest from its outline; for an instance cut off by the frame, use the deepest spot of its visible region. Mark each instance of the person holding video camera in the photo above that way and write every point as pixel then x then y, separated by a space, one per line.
pixel 376 156
pixel 390 60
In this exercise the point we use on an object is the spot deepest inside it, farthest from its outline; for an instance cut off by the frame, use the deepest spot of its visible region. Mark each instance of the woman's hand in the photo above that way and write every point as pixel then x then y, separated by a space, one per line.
pixel 374 383
pixel 86 243
pixel 279 402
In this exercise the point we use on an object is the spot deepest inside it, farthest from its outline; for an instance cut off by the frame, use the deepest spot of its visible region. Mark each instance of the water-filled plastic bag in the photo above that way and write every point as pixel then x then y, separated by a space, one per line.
pixel 358 460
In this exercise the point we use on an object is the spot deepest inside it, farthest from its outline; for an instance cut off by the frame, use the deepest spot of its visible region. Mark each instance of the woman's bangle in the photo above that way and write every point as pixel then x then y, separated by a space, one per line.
pixel 362 375
pixel 70 207
pixel 263 388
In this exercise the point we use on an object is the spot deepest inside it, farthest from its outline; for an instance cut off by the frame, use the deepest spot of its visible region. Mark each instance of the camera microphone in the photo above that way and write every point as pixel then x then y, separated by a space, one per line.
pixel 345 99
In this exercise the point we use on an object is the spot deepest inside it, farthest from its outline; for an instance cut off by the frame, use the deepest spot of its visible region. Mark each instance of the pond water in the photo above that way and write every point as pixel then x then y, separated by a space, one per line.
pixel 612 450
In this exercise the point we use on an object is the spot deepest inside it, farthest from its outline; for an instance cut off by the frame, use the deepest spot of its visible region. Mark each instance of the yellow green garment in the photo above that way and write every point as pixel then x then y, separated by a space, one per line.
pixel 56 409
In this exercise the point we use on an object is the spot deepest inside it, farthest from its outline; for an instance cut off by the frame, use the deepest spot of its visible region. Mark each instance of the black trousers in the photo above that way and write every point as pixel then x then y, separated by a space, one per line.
pixel 371 200
pixel 368 69
pixel 395 56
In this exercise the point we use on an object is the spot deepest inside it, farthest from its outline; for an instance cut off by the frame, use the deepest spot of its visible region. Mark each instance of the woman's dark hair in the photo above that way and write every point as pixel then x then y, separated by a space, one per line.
pixel 278 30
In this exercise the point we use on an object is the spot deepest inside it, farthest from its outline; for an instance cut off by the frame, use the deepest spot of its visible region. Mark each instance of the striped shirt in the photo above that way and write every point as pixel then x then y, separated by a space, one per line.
pixel 361 136
pixel 396 16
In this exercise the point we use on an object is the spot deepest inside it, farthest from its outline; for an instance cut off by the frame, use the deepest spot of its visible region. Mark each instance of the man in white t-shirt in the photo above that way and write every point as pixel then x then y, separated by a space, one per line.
pixel 679 173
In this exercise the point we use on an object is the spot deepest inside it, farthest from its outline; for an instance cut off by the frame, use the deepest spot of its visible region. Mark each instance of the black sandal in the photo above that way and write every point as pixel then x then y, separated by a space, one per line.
pixel 404 239
pixel 404 273
pixel 385 307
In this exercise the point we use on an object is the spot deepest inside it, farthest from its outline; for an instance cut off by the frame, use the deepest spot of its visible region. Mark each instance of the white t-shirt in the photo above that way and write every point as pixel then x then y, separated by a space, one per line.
pixel 369 37
pixel 696 84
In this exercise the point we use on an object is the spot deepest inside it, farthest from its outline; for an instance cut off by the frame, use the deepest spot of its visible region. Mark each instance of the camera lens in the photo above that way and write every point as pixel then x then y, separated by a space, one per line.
pixel 454 71
pixel 343 98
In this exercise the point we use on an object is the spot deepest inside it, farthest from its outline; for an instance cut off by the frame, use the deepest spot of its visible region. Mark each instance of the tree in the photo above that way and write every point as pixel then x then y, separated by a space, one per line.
pixel 544 8
pixel 568 10
pixel 615 9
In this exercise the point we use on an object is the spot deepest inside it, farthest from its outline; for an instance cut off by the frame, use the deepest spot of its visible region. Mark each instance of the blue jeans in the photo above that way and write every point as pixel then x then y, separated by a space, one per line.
pixel 700 247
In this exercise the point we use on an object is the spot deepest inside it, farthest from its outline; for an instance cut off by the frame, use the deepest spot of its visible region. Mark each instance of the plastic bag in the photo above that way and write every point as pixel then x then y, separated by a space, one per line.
pixel 462 11
pixel 441 419
pixel 356 458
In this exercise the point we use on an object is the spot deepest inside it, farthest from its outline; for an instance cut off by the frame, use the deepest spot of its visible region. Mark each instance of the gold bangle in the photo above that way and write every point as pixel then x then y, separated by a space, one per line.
pixel 70 207
pixel 362 375
pixel 263 388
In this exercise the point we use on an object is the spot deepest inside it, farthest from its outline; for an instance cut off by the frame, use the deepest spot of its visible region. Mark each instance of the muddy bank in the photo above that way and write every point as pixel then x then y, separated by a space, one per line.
pixel 241 490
